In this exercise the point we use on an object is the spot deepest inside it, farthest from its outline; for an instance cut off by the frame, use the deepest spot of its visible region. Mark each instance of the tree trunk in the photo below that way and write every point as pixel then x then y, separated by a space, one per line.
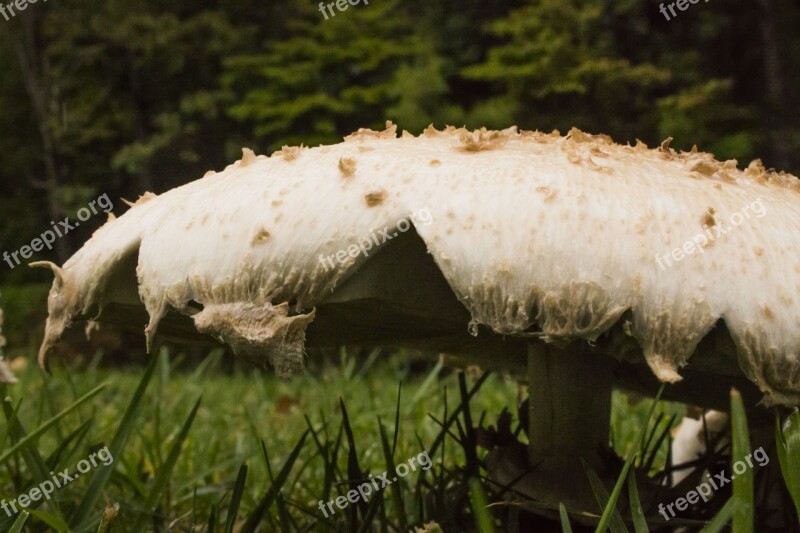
pixel 778 107
pixel 28 47
pixel 144 178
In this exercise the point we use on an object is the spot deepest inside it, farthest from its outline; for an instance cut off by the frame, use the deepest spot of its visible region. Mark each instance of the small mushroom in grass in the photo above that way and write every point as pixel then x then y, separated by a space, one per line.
pixel 561 257
pixel 691 439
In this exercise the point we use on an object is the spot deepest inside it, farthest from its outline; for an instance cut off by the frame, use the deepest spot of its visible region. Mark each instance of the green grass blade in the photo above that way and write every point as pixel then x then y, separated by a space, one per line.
pixel 611 518
pixel 610 511
pixel 430 379
pixel 397 417
pixel 11 417
pixel 566 527
pixel 394 488
pixel 165 470
pixel 61 451
pixel 52 520
pixel 470 446
pixel 19 523
pixel 30 454
pixel 743 499
pixel 236 499
pixel 100 478
pixel 648 461
pixel 637 513
pixel 787 441
pixel 283 514
pixel 646 444
pixel 255 518
pixel 328 458
pixel 483 519
pixel 450 419
pixel 212 520
pixel 207 365
pixel 614 521
pixel 36 433
pixel 721 519
pixel 372 510
pixel 652 410
pixel 354 473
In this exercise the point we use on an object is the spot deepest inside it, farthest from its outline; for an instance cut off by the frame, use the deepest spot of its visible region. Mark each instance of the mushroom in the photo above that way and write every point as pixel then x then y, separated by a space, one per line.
pixel 570 259
pixel 691 439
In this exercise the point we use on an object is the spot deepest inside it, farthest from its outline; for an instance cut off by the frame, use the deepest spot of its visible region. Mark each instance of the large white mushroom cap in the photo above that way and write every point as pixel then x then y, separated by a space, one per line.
pixel 533 232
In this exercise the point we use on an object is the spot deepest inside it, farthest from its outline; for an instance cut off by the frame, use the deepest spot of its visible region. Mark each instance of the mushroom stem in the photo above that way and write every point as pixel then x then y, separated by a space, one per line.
pixel 568 421
pixel 570 404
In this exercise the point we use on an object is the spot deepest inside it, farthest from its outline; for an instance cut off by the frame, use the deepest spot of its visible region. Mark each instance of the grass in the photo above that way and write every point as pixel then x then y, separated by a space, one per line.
pixel 179 460
pixel 201 449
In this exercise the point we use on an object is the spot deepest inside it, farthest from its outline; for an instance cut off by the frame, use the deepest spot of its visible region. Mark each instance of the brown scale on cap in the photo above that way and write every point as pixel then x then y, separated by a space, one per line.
pixel 375 198
pixel 248 157
pixel 347 166
pixel 290 153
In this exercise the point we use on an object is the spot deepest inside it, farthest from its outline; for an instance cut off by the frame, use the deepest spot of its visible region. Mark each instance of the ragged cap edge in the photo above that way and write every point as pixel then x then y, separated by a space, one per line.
pixel 366 133
pixel 156 314
pixel 57 272
pixel 261 333
pixel 144 198
pixel 56 322
pixel 62 303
